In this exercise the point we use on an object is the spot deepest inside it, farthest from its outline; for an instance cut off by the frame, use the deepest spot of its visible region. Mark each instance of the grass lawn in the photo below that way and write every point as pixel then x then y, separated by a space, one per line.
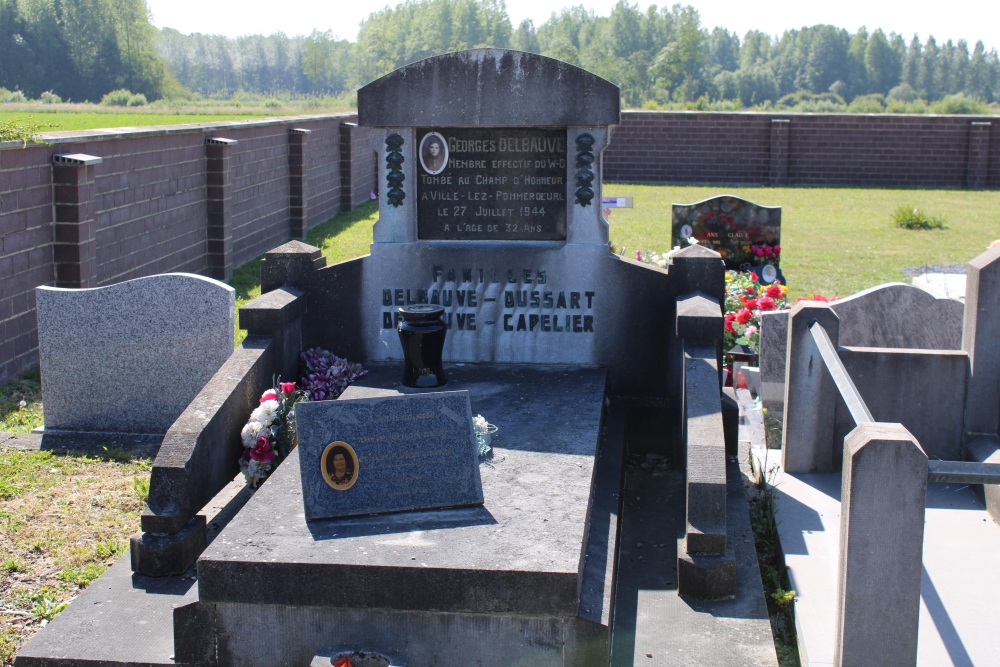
pixel 86 116
pixel 56 121
pixel 834 241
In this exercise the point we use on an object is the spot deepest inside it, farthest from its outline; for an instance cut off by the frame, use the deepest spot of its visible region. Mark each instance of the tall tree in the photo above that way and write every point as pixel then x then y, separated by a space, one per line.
pixel 881 67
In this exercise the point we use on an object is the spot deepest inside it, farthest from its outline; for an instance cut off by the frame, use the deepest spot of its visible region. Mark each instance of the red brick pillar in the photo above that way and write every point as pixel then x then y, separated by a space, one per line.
pixel 75 246
pixel 220 214
pixel 778 168
pixel 978 159
pixel 347 166
pixel 297 182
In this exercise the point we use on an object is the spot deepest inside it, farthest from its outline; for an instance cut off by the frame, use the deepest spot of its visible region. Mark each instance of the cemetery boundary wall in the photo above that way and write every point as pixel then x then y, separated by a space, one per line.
pixel 99 207
pixel 750 148
pixel 102 206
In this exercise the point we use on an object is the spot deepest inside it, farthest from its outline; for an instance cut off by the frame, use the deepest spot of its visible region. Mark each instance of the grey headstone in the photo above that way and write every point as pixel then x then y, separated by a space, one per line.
pixel 130 357
pixel 894 315
pixel 401 452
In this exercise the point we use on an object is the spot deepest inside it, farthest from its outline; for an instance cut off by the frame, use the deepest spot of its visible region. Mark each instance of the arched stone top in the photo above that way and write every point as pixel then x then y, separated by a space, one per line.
pixel 489 88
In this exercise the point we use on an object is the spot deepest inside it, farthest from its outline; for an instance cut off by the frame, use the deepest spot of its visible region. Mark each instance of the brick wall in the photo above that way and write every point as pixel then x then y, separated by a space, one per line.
pixel 26 260
pixel 805 149
pixel 205 198
pixel 126 204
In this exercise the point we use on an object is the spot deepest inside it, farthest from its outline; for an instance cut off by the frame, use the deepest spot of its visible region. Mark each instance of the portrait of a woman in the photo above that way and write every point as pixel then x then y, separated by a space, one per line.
pixel 340 465
pixel 433 153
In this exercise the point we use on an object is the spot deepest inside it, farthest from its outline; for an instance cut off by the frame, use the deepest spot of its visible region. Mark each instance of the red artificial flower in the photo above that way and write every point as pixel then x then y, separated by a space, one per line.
pixel 744 316
pixel 766 303
pixel 774 291
pixel 287 388
pixel 343 662
pixel 269 396
pixel 729 322
pixel 262 441
pixel 754 277
pixel 262 453
pixel 751 304
pixel 819 297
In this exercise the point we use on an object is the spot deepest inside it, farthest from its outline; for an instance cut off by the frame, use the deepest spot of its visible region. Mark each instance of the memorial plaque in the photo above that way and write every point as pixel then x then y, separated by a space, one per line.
pixel 491 184
pixel 387 454
pixel 748 236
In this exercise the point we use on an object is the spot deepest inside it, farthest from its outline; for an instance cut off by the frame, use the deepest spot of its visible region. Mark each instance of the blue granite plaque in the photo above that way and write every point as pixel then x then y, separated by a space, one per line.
pixel 387 454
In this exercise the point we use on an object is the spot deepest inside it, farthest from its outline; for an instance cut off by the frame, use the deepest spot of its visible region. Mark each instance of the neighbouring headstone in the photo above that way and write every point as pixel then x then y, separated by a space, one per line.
pixel 747 235
pixel 128 358
pixel 387 454
pixel 893 315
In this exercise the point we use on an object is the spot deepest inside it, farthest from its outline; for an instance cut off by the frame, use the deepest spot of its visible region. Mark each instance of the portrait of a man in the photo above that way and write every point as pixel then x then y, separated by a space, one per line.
pixel 433 153
pixel 340 465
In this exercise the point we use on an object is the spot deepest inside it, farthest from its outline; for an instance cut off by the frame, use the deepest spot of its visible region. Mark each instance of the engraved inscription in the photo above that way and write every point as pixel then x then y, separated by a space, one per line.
pixel 510 300
pixel 494 184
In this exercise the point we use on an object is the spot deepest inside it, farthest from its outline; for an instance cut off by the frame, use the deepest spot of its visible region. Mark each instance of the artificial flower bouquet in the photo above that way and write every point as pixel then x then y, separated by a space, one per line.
pixel 746 299
pixel 270 434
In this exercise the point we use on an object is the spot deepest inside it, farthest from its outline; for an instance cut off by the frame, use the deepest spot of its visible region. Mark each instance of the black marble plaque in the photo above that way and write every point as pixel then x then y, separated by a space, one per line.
pixel 396 453
pixel 747 235
pixel 477 184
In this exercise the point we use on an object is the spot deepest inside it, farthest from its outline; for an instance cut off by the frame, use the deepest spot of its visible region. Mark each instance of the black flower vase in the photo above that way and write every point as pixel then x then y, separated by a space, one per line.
pixel 421 332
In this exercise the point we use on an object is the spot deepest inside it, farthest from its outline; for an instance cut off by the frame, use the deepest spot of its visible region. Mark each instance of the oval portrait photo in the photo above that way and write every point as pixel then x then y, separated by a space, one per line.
pixel 340 465
pixel 433 153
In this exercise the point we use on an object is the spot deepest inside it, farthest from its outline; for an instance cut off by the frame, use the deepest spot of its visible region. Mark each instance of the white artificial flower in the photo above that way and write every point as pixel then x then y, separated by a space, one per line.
pixel 479 423
pixel 266 413
pixel 250 433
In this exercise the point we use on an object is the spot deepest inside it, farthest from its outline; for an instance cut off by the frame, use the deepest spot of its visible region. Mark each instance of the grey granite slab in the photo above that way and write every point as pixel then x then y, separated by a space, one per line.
pixel 520 552
pixel 130 357
pixel 399 453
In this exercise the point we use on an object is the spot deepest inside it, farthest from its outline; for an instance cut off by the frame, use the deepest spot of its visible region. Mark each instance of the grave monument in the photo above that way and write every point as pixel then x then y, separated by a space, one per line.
pixel 746 235
pixel 489 208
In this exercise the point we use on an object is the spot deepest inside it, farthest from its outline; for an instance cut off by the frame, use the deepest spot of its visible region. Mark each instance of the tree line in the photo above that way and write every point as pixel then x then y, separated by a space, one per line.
pixel 659 56
pixel 80 49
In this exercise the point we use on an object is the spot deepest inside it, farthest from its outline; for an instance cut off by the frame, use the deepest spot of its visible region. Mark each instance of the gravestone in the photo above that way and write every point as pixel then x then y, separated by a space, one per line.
pixel 128 358
pixel 490 206
pixel 893 315
pixel 394 454
pixel 747 235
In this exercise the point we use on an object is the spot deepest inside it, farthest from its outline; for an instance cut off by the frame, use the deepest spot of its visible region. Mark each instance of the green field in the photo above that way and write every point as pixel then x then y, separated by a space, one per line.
pixel 86 116
pixel 834 241
pixel 55 121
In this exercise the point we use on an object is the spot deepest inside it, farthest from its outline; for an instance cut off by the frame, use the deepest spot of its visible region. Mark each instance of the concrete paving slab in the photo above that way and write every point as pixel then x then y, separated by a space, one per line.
pixel 959 588
pixel 951 285
pixel 653 625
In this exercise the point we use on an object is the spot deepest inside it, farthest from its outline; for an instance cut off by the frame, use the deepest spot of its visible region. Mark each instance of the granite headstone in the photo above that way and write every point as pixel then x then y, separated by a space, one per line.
pixel 387 454
pixel 748 236
pixel 128 358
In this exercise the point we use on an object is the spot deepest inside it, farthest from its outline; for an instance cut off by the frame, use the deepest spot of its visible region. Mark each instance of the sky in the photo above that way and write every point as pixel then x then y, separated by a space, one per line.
pixel 971 20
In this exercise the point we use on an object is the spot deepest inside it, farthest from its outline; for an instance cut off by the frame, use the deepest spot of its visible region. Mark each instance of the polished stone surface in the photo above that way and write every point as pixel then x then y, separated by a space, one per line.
pixel 130 357
pixel 401 452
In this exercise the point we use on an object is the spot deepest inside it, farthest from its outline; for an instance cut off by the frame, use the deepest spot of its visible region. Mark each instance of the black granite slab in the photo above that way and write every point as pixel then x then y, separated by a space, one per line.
pixel 401 453
pixel 520 553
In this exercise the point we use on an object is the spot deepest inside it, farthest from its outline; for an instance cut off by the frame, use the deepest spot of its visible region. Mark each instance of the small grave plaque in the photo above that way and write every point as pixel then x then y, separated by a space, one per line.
pixel 745 234
pixel 491 183
pixel 387 454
